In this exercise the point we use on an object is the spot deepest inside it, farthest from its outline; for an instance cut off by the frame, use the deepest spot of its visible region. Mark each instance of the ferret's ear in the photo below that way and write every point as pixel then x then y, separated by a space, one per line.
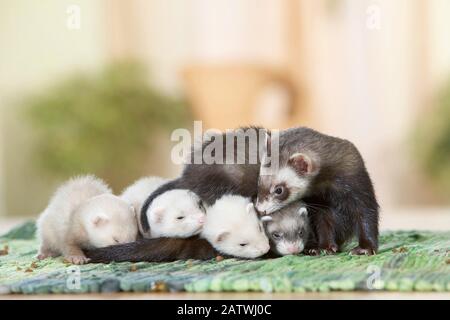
pixel 266 218
pixel 251 208
pixel 222 236
pixel 303 212
pixel 302 164
pixel 157 214
pixel 100 220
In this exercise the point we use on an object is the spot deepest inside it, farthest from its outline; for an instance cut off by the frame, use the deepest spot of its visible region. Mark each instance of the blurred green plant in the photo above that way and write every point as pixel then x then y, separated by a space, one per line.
pixel 433 141
pixel 103 124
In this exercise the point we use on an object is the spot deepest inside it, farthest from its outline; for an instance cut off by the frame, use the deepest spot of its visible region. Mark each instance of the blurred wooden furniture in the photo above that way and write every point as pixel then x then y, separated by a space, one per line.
pixel 226 96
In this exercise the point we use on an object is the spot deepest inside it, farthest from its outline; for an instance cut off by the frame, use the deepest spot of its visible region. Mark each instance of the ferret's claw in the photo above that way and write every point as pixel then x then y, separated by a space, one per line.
pixel 77 259
pixel 312 252
pixel 332 249
pixel 362 251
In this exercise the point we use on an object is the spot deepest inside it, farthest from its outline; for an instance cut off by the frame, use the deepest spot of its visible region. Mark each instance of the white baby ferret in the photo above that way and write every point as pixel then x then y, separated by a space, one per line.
pixel 137 193
pixel 233 228
pixel 82 214
pixel 176 213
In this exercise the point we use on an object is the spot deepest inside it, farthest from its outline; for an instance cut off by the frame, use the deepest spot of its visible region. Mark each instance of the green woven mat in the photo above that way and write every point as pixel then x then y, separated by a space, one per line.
pixel 407 261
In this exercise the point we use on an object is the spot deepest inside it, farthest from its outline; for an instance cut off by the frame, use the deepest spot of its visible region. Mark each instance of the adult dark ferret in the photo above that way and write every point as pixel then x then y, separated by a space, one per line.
pixel 327 173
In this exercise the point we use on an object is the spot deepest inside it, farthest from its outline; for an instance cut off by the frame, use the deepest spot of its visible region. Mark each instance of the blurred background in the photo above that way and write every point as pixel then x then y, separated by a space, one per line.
pixel 99 85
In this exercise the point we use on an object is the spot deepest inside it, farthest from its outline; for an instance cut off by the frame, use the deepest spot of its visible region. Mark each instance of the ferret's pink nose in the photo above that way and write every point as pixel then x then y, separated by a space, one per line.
pixel 201 220
pixel 293 249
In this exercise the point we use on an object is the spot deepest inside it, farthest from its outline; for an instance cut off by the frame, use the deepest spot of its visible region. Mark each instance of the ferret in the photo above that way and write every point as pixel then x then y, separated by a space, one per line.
pixel 326 172
pixel 288 229
pixel 232 228
pixel 136 193
pixel 212 181
pixel 329 174
pixel 175 213
pixel 83 213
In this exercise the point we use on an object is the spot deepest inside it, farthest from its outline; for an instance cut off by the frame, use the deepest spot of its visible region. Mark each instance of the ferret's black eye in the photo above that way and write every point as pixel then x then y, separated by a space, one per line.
pixel 243 244
pixel 116 241
pixel 300 233
pixel 276 235
pixel 278 190
pixel 180 218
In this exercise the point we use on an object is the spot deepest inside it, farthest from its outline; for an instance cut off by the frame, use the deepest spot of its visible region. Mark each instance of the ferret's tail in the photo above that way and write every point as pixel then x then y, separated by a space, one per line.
pixel 154 250
pixel 171 185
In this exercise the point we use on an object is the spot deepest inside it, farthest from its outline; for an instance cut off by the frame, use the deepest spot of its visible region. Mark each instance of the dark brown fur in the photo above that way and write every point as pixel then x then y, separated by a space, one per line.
pixel 341 199
pixel 209 182
pixel 212 181
pixel 154 250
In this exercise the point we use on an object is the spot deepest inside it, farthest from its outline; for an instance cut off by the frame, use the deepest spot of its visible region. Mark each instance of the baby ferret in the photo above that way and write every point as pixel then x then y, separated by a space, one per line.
pixel 212 181
pixel 83 213
pixel 288 229
pixel 232 228
pixel 176 213
pixel 136 193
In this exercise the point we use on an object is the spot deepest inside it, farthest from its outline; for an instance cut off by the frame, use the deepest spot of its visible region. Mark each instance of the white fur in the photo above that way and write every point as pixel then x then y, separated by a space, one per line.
pixel 108 220
pixel 231 222
pixel 268 206
pixel 66 225
pixel 165 210
pixel 266 218
pixel 290 247
pixel 137 193
pixel 303 212
pixel 54 221
pixel 298 187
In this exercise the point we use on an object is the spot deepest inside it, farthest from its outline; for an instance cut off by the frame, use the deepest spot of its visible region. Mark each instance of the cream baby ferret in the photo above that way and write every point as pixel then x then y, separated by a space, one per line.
pixel 82 214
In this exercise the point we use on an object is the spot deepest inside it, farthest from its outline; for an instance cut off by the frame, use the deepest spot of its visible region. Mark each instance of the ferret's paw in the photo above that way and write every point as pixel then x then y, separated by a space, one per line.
pixel 42 256
pixel 312 252
pixel 331 249
pixel 77 259
pixel 362 251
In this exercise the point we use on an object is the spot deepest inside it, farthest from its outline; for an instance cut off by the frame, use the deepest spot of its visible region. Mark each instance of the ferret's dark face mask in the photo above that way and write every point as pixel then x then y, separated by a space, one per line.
pixel 287 234
pixel 285 185
pixel 271 196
